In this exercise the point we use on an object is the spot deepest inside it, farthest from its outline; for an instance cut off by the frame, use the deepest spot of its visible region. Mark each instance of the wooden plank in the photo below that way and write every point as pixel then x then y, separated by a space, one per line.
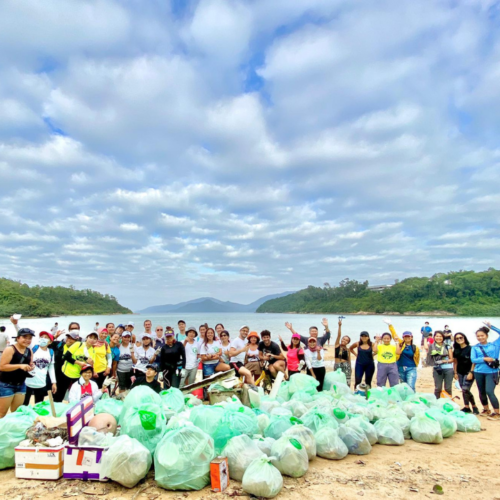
pixel 217 377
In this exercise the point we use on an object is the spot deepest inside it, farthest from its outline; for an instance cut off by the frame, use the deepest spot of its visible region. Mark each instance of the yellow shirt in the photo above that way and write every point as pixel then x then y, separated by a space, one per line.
pixel 386 353
pixel 78 352
pixel 99 357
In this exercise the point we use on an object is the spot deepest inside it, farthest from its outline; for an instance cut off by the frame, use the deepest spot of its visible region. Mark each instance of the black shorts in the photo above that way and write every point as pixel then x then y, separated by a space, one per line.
pixel 124 380
pixel 236 366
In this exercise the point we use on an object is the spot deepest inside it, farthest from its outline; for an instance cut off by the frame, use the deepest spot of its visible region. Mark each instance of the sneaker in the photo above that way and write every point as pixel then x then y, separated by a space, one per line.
pixel 494 416
pixel 475 410
pixel 465 409
pixel 485 413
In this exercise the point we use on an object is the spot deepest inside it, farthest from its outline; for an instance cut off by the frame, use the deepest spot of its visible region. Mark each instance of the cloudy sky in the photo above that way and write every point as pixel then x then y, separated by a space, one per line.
pixel 164 150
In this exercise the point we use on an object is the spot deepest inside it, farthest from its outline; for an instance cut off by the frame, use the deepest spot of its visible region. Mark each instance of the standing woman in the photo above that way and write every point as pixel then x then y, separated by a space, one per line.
pixel 172 361
pixel 223 365
pixel 442 356
pixel 145 354
pixel 102 358
pixel 484 355
pixel 15 363
pixel 43 360
pixel 363 351
pixel 252 359
pixel 315 361
pixel 203 329
pixel 343 354
pixel 294 355
pixel 126 362
pixel 464 371
pixel 210 351
pixel 219 328
pixel 387 367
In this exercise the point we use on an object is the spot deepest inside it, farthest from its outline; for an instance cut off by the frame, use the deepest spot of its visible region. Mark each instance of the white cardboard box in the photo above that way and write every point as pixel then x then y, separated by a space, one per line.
pixel 83 462
pixel 39 462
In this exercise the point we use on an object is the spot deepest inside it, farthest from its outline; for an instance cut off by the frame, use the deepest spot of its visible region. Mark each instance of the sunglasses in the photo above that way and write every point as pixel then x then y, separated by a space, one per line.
pixel 159 329
pixel 459 338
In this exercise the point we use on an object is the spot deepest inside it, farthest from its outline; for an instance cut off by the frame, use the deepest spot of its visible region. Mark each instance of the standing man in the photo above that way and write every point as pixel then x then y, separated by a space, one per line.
pixel 426 332
pixel 181 336
pixel 54 329
pixel 158 337
pixel 313 332
pixel 270 353
pixel 238 351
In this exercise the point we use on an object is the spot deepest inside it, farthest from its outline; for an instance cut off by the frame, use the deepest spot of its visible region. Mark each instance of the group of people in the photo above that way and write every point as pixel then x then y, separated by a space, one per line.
pixel 73 365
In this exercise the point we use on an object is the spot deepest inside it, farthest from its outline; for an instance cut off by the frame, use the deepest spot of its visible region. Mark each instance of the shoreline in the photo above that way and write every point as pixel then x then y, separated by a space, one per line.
pixel 413 314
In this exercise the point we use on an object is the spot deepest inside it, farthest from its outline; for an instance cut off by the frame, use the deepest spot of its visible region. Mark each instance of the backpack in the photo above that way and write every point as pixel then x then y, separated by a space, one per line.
pixel 35 348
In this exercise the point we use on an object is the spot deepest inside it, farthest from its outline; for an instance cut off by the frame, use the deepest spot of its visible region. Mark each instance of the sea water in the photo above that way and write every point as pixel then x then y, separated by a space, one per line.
pixel 275 323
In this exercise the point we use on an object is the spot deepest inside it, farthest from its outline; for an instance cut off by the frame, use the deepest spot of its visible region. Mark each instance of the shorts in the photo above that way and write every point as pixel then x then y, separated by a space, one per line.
pixel 124 380
pixel 209 369
pixel 237 366
pixel 9 390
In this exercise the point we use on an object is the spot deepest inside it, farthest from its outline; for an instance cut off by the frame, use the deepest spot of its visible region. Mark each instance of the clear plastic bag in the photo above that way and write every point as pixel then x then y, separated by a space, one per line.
pixel 404 423
pixel 425 429
pixel 207 417
pixel 362 423
pixel 302 396
pixel 446 405
pixel 241 451
pixel 172 399
pixel 466 422
pixel 235 423
pixel 302 382
pixel 413 408
pixel 404 391
pixel 138 396
pixel 289 456
pixel 284 392
pixel 389 432
pixel 264 444
pixel 335 377
pixel 13 429
pixel 109 405
pixel 446 421
pixel 296 407
pixel 278 425
pixel 281 411
pixel 263 421
pixel 146 423
pixel 340 389
pixel 329 444
pixel 182 459
pixel 355 439
pixel 262 479
pixel 316 418
pixel 340 415
pixel 126 461
pixel 305 436
pixel 89 436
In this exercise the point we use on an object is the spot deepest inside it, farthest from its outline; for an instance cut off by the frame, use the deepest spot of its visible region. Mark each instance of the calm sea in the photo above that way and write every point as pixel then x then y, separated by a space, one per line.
pixel 352 325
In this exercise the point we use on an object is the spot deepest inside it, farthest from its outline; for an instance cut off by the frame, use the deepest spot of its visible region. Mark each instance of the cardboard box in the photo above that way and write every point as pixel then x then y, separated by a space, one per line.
pixel 39 462
pixel 83 462
pixel 78 417
pixel 219 474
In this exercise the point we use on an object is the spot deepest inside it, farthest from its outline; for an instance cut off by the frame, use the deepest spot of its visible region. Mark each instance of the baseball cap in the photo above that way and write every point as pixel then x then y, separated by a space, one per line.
pixel 312 339
pixel 364 334
pixel 102 330
pixel 126 334
pixel 153 366
pixel 91 333
pixel 407 334
pixel 51 337
pixel 295 336
pixel 146 336
pixel 86 368
pixel 192 328
pixel 25 331
pixel 169 333
pixel 120 326
pixel 244 326
pixel 74 334
pixel 130 323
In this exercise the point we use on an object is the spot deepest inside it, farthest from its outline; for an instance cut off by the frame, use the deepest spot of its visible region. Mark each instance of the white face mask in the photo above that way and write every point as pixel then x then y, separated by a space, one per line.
pixel 44 342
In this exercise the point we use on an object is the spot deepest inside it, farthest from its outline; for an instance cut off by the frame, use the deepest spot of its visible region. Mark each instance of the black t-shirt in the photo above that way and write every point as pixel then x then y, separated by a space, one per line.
pixel 155 385
pixel 274 348
pixel 464 363
pixel 173 356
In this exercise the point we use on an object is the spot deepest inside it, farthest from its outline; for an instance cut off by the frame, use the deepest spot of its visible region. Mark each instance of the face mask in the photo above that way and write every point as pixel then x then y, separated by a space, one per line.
pixel 44 342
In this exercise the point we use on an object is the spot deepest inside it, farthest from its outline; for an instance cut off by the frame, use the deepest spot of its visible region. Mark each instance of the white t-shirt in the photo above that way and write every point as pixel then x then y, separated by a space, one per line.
pixel 53 330
pixel 238 343
pixel 44 363
pixel 225 353
pixel 312 360
pixel 192 351
pixel 213 348
pixel 4 341
pixel 144 357
pixel 125 362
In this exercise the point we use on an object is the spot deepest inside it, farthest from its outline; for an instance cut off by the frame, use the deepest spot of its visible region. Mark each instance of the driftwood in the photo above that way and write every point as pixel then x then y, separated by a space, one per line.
pixel 217 377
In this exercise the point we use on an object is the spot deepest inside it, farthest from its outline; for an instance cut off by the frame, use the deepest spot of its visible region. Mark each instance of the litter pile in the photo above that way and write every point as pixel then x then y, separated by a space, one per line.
pixel 278 436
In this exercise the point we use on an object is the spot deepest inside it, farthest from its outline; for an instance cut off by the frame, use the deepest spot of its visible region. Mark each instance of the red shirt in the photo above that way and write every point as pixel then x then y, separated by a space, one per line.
pixel 86 390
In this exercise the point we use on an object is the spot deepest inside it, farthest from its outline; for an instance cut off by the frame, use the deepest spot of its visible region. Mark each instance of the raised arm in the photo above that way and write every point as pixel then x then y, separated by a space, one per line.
pixel 339 333
pixel 290 327
pixel 494 328
pixel 283 346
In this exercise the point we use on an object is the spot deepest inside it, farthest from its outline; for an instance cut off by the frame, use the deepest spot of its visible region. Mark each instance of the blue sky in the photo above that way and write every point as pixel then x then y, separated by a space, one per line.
pixel 162 151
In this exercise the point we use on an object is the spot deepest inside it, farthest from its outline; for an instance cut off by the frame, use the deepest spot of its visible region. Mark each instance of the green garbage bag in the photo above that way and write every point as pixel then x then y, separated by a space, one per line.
pixel 403 421
pixel 267 405
pixel 379 410
pixel 191 401
pixel 13 429
pixel 206 417
pixel 337 376
pixel 306 438
pixel 296 407
pixel 222 435
pixel 43 409
pixel 284 392
pixel 138 396
pixel 281 411
pixel 316 418
pixel 172 399
pixel 262 479
pixel 412 408
pixel 446 421
pixel 302 382
pixel 265 444
pixel 389 432
pixel 263 420
pixel 329 445
pixel 127 461
pixel 361 423
pixel 278 425
pixel 241 451
pixel 302 396
pixel 446 405
pixel 466 422
pixel 182 459
pixel 289 456
pixel 108 405
pixel 363 411
pixel 340 415
pixel 404 391
pixel 425 429
pixel 424 397
pixel 340 389
pixel 146 423
pixel 355 439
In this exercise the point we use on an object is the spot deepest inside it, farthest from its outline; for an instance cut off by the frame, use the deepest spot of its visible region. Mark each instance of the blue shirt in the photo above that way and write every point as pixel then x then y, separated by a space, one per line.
pixel 115 354
pixel 406 358
pixel 492 350
pixel 426 331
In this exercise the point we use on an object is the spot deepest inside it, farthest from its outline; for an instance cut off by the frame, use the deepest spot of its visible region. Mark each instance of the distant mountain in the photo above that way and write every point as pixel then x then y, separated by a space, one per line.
pixel 208 304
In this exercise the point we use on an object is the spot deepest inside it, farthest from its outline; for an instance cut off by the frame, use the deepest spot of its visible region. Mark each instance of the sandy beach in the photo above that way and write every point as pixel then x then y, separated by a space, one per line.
pixel 465 465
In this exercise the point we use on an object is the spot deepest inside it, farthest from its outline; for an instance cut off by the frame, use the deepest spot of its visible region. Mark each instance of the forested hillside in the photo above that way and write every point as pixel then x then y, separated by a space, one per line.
pixel 464 293
pixel 43 301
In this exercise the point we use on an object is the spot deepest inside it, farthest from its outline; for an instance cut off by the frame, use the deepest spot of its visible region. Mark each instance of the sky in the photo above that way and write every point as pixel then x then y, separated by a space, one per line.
pixel 161 150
